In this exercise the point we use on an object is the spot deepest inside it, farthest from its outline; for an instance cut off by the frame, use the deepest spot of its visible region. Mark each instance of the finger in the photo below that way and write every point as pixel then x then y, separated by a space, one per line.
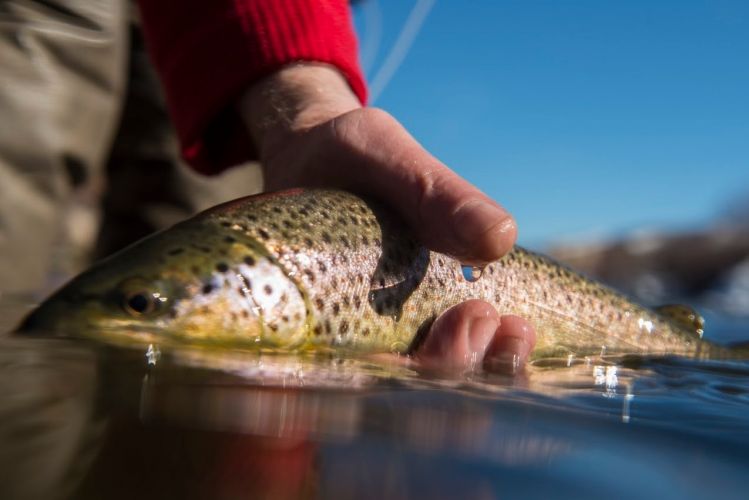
pixel 509 350
pixel 447 213
pixel 459 338
pixel 373 154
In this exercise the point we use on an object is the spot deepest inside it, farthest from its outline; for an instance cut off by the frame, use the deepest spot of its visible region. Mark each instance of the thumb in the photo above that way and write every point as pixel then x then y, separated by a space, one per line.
pixel 373 154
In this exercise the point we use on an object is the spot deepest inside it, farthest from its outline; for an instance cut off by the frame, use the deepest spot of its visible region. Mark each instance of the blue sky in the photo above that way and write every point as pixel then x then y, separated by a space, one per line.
pixel 587 119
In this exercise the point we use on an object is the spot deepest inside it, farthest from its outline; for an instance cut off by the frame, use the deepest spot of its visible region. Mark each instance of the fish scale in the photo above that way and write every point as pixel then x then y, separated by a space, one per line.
pixel 319 269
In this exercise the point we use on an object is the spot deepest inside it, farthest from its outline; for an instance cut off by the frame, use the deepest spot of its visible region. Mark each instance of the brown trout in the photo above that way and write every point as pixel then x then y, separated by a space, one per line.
pixel 321 269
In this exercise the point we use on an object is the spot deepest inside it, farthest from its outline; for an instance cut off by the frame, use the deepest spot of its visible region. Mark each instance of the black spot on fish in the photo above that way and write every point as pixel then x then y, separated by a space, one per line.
pixel 308 242
pixel 263 234
pixel 249 260
pixel 207 288
pixel 226 223
pixel 277 210
pixel 252 218
pixel 318 330
pixel 336 308
pixel 357 302
pixel 287 224
pixel 343 328
pixel 273 327
pixel 176 251
pixel 320 303
pixel 323 268
pixel 310 275
pixel 365 240
pixel 328 328
pixel 267 289
pixel 326 237
pixel 346 300
pixel 285 318
pixel 229 239
pixel 245 313
pixel 222 267
pixel 365 332
pixel 297 316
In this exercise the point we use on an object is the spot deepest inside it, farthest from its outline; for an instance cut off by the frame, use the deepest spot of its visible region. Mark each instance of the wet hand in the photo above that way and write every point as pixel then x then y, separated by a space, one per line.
pixel 472 336
pixel 310 130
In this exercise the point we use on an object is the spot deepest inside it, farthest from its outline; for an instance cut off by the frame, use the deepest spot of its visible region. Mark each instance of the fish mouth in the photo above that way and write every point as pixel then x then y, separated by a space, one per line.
pixel 52 320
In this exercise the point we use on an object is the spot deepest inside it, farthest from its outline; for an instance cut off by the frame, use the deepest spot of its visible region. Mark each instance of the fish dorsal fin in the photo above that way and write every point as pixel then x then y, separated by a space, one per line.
pixel 684 316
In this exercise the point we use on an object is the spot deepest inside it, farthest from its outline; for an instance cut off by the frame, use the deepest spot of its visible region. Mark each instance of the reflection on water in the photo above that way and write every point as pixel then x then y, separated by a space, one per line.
pixel 90 421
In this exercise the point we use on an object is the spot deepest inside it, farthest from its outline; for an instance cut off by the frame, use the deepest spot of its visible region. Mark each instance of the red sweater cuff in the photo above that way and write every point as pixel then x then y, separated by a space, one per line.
pixel 208 52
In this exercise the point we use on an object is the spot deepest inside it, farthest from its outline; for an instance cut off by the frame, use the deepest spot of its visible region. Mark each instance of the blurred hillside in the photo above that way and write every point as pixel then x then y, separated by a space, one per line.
pixel 708 265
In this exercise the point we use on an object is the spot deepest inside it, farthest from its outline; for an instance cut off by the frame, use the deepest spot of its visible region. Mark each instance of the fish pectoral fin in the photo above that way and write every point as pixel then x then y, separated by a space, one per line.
pixel 684 316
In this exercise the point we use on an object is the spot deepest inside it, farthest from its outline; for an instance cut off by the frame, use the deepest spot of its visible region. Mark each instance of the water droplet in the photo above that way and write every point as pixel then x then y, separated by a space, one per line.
pixel 152 355
pixel 471 273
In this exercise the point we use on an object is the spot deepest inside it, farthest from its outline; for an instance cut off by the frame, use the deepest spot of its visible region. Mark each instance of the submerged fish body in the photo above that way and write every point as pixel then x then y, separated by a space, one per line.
pixel 318 269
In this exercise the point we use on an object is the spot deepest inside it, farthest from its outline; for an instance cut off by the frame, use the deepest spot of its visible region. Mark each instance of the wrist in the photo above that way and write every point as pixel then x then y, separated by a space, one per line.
pixel 293 99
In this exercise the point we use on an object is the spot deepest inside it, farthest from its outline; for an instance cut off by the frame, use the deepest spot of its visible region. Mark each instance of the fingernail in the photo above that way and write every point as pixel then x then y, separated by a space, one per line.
pixel 509 357
pixel 479 218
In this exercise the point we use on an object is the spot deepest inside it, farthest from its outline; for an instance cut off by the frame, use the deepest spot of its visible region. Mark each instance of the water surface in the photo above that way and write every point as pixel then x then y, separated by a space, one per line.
pixel 83 420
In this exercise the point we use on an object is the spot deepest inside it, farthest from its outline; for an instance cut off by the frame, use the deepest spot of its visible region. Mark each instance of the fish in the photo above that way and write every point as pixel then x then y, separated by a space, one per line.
pixel 326 270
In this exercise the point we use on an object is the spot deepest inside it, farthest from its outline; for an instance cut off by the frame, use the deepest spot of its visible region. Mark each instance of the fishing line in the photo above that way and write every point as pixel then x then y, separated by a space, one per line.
pixel 372 36
pixel 400 48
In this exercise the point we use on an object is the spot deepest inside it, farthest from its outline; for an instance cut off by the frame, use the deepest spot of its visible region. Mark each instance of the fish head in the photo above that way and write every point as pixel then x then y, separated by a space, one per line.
pixel 190 283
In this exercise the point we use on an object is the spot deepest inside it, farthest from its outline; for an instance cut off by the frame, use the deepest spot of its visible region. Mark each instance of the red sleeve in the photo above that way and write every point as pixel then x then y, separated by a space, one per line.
pixel 208 51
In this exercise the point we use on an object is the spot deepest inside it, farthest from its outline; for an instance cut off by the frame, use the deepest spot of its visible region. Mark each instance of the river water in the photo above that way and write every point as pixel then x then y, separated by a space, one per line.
pixel 83 420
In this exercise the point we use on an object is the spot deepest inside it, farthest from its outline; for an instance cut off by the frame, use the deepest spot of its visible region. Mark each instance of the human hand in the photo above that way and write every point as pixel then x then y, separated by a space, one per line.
pixel 310 130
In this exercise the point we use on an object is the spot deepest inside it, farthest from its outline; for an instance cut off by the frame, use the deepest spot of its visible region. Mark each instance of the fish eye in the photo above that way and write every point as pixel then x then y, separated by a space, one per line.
pixel 138 300
pixel 139 303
